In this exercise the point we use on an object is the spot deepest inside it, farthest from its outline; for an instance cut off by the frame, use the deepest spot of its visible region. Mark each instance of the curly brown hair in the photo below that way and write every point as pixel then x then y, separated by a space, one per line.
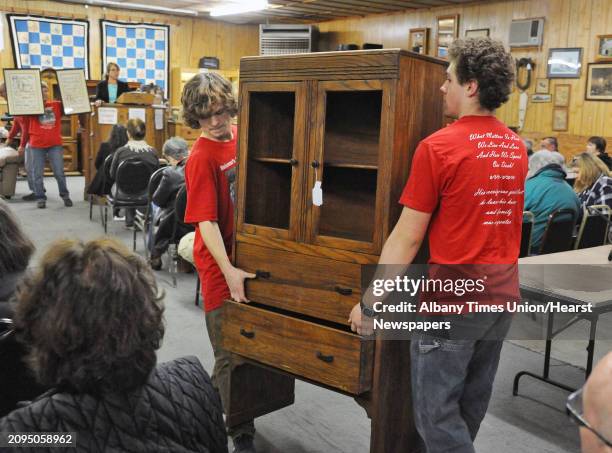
pixel 91 316
pixel 15 247
pixel 486 61
pixel 201 93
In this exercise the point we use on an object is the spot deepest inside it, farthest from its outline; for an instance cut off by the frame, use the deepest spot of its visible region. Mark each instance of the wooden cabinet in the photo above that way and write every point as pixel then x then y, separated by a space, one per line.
pixel 350 120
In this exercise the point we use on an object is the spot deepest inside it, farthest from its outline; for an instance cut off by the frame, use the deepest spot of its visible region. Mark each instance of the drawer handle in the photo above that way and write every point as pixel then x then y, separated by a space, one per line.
pixel 262 274
pixel 325 358
pixel 343 291
pixel 247 334
pixel 293 161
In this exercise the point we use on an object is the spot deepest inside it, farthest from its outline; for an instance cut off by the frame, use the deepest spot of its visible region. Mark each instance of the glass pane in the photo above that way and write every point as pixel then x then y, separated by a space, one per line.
pixel 352 128
pixel 350 164
pixel 270 148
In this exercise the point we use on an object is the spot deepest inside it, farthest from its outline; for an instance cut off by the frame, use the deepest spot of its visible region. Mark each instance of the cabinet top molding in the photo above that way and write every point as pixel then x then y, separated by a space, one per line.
pixel 360 64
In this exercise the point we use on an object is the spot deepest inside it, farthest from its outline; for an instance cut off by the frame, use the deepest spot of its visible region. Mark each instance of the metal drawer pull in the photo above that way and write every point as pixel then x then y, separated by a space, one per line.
pixel 293 161
pixel 343 291
pixel 246 334
pixel 325 358
pixel 262 274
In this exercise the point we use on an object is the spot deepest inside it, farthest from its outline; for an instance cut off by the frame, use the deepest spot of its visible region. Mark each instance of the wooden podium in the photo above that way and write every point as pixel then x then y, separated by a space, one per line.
pixel 99 124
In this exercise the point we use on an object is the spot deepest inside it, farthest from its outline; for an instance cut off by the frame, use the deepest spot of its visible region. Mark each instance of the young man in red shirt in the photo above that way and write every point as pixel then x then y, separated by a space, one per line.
pixel 43 134
pixel 466 186
pixel 210 174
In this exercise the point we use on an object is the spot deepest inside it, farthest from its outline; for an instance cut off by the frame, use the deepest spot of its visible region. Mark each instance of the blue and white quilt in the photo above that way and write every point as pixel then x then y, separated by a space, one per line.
pixel 140 50
pixel 47 42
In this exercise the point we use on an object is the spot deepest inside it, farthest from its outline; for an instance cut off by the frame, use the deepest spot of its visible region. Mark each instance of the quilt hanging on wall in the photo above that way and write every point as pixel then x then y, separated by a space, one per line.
pixel 48 42
pixel 140 50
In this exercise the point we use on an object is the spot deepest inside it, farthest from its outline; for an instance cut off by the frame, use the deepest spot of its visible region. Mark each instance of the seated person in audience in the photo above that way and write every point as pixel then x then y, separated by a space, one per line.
pixel 92 318
pixel 175 151
pixel 593 182
pixel 111 87
pixel 100 185
pixel 546 191
pixel 17 382
pixel 550 144
pixel 136 147
pixel 597 146
pixel 591 408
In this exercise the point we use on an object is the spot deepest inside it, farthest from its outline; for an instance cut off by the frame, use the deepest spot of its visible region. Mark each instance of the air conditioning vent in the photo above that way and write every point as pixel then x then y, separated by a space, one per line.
pixel 526 33
pixel 286 39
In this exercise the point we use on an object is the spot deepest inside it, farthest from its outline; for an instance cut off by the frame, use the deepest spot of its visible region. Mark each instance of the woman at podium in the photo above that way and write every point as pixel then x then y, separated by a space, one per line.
pixel 109 89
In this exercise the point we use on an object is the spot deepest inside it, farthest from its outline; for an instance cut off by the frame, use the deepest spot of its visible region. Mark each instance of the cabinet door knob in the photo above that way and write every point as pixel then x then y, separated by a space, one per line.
pixel 246 333
pixel 325 358
pixel 262 274
pixel 293 161
pixel 343 291
pixel 314 164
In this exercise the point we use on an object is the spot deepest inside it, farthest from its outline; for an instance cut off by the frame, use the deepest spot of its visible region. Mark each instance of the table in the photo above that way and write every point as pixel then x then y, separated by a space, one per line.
pixel 587 280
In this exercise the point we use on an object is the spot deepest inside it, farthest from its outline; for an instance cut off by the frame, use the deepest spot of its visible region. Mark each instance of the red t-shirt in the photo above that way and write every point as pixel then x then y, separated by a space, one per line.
pixel 44 131
pixel 471 176
pixel 210 176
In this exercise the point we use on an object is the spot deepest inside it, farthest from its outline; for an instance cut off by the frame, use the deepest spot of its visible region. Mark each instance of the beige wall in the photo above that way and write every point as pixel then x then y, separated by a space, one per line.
pixel 190 39
pixel 568 23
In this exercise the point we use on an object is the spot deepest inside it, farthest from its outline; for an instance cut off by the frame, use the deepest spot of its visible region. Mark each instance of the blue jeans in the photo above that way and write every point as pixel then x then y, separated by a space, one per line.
pixel 452 381
pixel 29 167
pixel 56 159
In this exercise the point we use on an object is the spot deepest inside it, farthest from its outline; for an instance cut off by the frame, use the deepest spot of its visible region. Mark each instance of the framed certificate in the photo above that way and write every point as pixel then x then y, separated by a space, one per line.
pixel 73 91
pixel 23 92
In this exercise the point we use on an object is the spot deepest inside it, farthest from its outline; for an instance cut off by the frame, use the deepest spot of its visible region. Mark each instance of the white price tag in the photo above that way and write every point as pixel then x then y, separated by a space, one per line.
pixel 317 194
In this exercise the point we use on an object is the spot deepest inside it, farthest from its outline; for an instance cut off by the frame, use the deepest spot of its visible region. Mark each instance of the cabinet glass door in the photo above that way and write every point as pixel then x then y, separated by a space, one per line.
pixel 271 150
pixel 349 139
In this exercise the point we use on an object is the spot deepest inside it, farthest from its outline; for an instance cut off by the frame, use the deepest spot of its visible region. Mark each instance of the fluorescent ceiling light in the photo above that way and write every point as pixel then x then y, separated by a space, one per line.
pixel 238 7
pixel 145 7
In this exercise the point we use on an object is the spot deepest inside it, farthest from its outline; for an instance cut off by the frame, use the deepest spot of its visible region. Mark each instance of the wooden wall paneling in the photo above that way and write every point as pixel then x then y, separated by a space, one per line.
pixel 568 23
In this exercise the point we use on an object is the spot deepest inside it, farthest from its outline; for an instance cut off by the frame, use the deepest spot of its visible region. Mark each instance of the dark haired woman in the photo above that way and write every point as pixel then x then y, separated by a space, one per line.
pixel 16 381
pixel 597 146
pixel 111 87
pixel 118 137
pixel 92 319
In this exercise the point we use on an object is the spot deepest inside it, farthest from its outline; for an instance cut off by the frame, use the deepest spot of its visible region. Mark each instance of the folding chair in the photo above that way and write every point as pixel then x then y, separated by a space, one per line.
pixel 526 230
pixel 558 235
pixel 131 184
pixel 594 227
pixel 145 221
pixel 105 169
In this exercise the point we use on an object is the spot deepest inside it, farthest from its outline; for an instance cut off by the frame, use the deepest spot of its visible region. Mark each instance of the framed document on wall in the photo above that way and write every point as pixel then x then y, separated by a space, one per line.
pixel 23 92
pixel 446 32
pixel 418 40
pixel 73 91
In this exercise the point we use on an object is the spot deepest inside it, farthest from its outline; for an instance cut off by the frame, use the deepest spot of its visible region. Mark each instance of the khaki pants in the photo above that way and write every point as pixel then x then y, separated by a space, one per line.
pixel 224 363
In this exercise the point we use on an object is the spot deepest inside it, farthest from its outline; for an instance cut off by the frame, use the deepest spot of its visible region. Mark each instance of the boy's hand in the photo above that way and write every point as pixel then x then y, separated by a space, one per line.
pixel 235 281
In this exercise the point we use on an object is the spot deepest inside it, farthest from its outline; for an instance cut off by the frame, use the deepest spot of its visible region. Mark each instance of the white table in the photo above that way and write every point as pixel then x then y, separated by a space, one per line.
pixel 575 277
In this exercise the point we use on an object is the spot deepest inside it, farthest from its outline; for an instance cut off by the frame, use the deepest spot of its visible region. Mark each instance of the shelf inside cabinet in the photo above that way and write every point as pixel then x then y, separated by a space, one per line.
pixel 350 165
pixel 349 203
pixel 271 119
pixel 352 128
pixel 272 160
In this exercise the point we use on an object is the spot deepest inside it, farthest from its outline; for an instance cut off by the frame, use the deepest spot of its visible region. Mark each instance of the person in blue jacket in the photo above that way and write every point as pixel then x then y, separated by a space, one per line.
pixel 546 191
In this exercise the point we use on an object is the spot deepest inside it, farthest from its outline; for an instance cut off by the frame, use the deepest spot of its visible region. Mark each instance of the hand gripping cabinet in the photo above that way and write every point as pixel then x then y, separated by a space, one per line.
pixel 350 120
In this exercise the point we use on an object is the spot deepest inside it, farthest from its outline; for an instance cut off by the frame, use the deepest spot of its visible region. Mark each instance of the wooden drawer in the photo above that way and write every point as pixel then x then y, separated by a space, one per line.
pixel 188 133
pixel 329 356
pixel 314 286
